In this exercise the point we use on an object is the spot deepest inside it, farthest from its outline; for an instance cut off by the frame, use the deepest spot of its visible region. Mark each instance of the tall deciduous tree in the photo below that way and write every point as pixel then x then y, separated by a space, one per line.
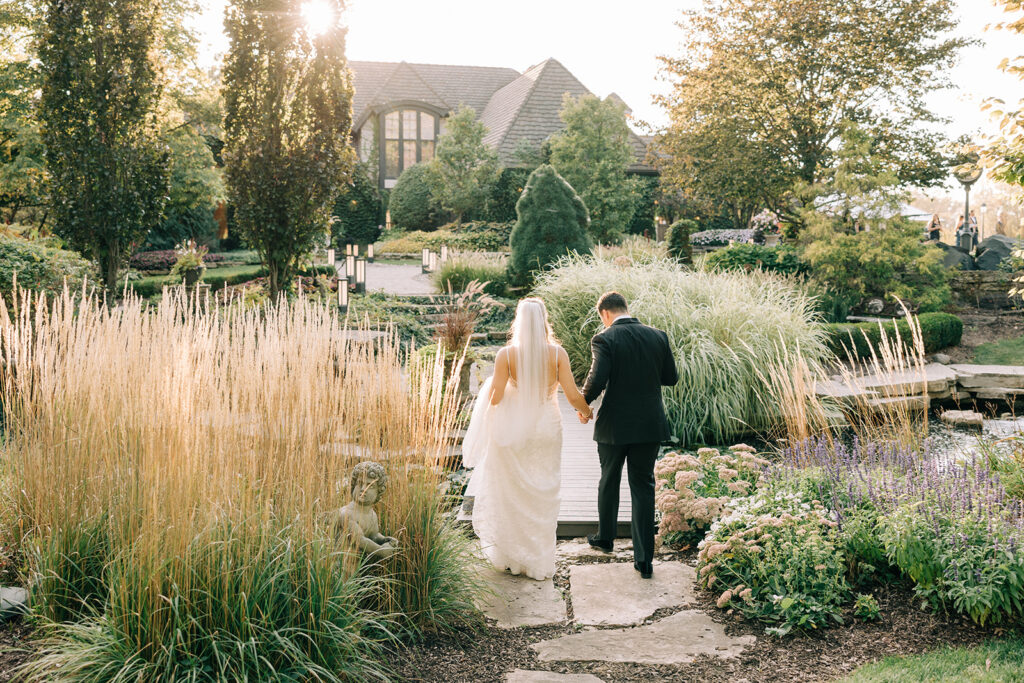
pixel 464 169
pixel 100 89
pixel 592 154
pixel 1005 152
pixel 288 113
pixel 763 90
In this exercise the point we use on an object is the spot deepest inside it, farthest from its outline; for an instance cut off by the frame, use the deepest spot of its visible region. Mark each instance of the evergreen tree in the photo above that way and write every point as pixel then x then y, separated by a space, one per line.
pixel 358 210
pixel 678 240
pixel 288 112
pixel 592 154
pixel 552 222
pixel 100 89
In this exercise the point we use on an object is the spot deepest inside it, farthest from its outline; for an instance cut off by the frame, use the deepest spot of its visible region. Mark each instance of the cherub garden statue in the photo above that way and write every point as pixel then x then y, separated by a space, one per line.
pixel 357 520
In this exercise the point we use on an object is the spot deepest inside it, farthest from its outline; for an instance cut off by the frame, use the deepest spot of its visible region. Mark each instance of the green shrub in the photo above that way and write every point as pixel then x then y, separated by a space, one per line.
pixel 464 268
pixel 882 263
pixel 773 559
pixel 938 331
pixel 552 222
pixel 783 260
pixel 472 236
pixel 39 268
pixel 643 215
pixel 358 211
pixel 679 240
pixel 726 330
pixel 411 204
pixel 216 280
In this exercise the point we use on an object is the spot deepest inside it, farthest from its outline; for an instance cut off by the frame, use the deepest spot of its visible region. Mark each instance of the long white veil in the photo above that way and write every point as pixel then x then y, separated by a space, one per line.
pixel 531 336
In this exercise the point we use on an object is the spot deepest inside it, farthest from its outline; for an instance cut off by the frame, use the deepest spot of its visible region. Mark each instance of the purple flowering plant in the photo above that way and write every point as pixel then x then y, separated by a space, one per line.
pixel 948 525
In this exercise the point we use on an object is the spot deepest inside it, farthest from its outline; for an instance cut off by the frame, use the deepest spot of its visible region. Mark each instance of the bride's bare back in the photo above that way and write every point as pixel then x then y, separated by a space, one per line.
pixel 559 373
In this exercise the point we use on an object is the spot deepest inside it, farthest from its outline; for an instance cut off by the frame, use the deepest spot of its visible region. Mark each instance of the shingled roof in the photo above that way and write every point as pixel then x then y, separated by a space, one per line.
pixel 515 107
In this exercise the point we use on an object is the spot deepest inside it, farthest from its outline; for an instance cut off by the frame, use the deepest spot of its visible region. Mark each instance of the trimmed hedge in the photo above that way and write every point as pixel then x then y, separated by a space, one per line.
pixel 146 289
pixel 938 331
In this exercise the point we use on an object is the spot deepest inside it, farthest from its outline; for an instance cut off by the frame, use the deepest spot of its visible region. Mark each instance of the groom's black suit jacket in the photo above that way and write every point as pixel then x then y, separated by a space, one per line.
pixel 631 363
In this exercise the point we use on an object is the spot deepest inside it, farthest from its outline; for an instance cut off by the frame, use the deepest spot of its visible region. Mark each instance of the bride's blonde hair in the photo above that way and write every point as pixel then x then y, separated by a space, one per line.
pixel 531 336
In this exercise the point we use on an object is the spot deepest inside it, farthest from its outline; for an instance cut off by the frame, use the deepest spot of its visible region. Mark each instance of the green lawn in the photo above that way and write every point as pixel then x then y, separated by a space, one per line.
pixel 223 271
pixel 998 661
pixel 1003 352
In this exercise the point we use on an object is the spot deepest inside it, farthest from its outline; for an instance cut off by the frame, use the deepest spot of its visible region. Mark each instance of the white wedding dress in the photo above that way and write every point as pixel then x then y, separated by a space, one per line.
pixel 516 450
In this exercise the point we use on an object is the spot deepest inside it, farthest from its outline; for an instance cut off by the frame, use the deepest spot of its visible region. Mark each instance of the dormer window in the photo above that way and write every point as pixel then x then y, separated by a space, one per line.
pixel 409 136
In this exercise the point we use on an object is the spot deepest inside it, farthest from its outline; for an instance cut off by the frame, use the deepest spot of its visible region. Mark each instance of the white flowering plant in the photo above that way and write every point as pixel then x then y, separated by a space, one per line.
pixel 694 490
pixel 773 557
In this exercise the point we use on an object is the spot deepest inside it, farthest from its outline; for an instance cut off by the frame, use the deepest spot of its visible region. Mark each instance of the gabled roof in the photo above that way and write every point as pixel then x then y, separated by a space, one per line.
pixel 515 107
pixel 443 86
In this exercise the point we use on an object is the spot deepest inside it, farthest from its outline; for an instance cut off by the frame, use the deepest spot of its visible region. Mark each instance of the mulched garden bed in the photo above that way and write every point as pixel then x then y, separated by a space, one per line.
pixel 903 629
pixel 13 643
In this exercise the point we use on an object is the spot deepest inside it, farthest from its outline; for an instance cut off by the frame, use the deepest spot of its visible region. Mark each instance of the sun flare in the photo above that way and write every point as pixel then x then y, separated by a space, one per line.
pixel 319 16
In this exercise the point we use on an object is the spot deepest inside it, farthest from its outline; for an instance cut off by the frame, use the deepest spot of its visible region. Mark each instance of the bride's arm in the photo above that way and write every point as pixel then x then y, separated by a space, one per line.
pixel 568 384
pixel 500 377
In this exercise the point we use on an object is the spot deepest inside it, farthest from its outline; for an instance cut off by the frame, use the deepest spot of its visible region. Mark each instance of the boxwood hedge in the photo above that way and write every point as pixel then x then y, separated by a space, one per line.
pixel 938 331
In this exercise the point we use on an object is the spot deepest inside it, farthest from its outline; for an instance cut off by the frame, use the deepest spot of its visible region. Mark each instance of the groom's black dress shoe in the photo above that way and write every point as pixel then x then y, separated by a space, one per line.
pixel 645 568
pixel 596 542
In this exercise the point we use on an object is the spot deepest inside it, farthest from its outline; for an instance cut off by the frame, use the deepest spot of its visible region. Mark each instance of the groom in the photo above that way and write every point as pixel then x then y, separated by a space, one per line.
pixel 631 363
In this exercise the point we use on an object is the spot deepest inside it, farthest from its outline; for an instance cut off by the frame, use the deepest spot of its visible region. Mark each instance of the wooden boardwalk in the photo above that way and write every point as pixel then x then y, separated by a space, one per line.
pixel 581 472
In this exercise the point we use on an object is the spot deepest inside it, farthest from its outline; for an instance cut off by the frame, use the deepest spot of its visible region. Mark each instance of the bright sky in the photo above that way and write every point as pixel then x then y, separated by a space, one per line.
pixel 609 45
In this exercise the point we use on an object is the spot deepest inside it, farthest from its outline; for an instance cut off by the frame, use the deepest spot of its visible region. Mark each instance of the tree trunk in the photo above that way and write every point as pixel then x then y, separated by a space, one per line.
pixel 108 269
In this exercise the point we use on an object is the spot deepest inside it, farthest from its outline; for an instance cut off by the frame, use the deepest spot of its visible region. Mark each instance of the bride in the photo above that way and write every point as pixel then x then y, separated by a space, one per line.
pixel 514 442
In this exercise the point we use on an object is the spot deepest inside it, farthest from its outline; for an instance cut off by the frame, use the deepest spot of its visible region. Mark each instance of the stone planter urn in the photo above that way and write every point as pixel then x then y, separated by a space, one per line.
pixel 771 240
pixel 190 276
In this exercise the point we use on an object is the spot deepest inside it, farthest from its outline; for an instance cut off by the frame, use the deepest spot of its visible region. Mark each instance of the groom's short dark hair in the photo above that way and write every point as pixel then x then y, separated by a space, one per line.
pixel 613 302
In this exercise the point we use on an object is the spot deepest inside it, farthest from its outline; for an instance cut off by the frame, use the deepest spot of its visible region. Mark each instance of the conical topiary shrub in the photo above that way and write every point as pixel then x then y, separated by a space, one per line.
pixel 551 222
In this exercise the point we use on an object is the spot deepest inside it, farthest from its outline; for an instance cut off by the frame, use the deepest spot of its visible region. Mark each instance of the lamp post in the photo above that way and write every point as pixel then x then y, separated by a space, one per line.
pixel 342 297
pixel 444 253
pixel 968 173
pixel 369 252
pixel 330 258
pixel 425 260
pixel 350 268
pixel 361 276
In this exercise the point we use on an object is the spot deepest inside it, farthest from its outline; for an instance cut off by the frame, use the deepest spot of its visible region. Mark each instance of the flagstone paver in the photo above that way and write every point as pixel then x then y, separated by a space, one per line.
pixel 676 639
pixel 523 676
pixel 613 594
pixel 516 601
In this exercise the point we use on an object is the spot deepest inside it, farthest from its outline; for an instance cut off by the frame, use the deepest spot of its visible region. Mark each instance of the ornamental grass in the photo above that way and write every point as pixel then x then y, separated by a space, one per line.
pixel 726 329
pixel 174 468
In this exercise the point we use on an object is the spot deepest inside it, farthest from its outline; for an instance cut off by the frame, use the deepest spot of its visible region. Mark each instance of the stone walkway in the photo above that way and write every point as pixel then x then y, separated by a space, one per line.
pixel 617 617
pixel 393 278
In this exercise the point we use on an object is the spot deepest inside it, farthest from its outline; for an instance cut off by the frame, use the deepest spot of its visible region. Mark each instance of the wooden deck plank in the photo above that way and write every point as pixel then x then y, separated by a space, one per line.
pixel 581 472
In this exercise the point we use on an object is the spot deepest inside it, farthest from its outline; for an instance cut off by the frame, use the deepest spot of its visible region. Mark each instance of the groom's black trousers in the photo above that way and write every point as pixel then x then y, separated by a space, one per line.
pixel 639 460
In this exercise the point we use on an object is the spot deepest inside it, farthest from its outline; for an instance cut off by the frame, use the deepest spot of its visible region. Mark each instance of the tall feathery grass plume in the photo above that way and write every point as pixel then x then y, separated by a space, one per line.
pixel 175 468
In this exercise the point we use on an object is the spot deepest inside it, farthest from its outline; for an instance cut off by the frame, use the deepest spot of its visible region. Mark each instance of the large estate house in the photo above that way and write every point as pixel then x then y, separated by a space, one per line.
pixel 399 110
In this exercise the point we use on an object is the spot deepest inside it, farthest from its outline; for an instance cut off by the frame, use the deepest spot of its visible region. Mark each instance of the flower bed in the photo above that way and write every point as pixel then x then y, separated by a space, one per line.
pixel 721 238
pixel 163 260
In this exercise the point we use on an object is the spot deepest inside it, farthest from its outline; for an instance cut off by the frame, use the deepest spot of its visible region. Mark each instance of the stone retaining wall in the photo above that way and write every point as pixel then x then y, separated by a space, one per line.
pixel 984 289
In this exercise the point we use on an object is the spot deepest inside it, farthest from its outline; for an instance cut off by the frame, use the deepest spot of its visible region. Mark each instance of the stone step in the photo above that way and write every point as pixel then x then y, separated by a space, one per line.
pixel 894 403
pixel 973 377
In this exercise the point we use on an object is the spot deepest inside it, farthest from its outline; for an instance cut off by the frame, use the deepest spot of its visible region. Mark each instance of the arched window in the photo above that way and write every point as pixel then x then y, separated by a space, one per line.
pixel 409 136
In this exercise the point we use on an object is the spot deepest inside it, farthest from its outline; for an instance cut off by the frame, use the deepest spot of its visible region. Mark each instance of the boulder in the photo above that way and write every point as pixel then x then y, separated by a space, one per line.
pixel 956 257
pixel 13 601
pixel 962 418
pixel 941 359
pixel 993 250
